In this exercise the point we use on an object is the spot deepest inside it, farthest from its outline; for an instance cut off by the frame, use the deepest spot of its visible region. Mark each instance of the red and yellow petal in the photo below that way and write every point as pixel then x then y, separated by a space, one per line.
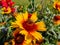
pixel 34 17
pixel 36 35
pixel 28 37
pixel 57 22
pixel 25 16
pixel 24 32
pixel 19 17
pixel 27 42
pixel 14 25
pixel 54 5
pixel 41 26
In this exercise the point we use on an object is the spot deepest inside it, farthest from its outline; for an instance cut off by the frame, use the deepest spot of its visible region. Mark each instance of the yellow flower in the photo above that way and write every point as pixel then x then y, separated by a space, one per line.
pixel 56 5
pixel 6 10
pixel 27 22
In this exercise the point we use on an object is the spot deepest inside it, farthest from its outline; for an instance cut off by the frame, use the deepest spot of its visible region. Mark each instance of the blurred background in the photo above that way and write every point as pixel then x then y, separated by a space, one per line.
pixel 26 2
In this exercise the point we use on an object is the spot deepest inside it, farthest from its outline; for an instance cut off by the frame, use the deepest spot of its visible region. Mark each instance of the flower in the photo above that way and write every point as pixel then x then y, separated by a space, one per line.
pixel 6 3
pixel 57 5
pixel 17 40
pixel 29 27
pixel 7 6
pixel 57 20
pixel 6 10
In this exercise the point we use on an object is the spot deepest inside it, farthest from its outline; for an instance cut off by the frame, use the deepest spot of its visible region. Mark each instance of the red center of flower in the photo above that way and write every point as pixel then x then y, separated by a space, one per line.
pixel 29 26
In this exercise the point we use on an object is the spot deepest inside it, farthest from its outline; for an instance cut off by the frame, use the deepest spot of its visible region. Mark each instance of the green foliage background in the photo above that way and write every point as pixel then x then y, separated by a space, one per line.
pixel 46 13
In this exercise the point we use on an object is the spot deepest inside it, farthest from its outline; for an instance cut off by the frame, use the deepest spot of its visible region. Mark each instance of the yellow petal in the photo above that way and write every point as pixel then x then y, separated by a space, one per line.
pixel 23 32
pixel 34 17
pixel 19 24
pixel 25 16
pixel 28 40
pixel 13 24
pixel 28 37
pixel 36 35
pixel 27 43
pixel 54 5
pixel 19 17
pixel 41 26
pixel 34 41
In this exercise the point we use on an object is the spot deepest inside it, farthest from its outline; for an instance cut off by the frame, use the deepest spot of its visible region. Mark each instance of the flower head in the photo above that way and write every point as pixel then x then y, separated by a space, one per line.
pixel 57 20
pixel 18 38
pixel 7 6
pixel 27 22
pixel 57 5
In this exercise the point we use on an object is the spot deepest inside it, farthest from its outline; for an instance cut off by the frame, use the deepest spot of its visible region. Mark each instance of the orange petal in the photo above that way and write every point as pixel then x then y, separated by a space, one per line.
pixel 41 26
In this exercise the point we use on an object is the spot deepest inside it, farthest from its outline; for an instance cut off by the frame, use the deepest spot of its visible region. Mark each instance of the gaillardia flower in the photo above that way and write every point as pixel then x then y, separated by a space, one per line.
pixel 7 6
pixel 29 26
pixel 17 40
pixel 57 5
pixel 57 20
pixel 6 10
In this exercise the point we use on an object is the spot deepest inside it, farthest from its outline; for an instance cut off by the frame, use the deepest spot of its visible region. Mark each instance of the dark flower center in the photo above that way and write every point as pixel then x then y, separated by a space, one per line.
pixel 19 39
pixel 29 25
